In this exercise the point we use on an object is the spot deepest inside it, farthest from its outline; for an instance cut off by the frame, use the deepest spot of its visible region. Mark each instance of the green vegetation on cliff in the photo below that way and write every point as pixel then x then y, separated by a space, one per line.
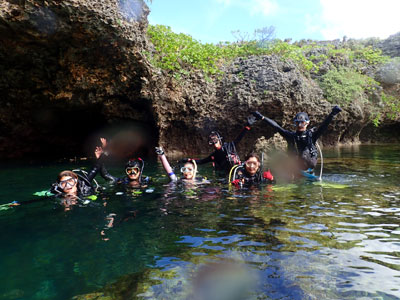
pixel 179 53
pixel 345 71
pixel 345 85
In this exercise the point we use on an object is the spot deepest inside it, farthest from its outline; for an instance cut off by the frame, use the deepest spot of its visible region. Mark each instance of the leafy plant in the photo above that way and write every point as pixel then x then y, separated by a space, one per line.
pixel 345 85
pixel 392 104
pixel 373 56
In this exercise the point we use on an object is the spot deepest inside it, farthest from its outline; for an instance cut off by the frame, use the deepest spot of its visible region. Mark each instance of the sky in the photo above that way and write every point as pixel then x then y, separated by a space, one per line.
pixel 212 21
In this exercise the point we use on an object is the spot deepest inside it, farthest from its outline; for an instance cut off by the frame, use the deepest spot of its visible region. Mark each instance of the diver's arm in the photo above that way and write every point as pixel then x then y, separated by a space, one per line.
pixel 322 128
pixel 97 165
pixel 106 175
pixel 204 160
pixel 285 133
pixel 241 134
pixel 250 121
pixel 100 154
pixel 165 163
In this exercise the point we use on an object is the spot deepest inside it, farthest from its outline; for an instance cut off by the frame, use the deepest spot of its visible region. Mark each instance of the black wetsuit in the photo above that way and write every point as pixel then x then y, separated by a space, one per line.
pixel 225 157
pixel 84 184
pixel 125 180
pixel 302 143
pixel 244 178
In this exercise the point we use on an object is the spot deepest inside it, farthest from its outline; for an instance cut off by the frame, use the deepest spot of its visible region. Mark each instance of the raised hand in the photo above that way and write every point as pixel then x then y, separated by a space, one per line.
pixel 159 151
pixel 336 110
pixel 257 115
pixel 98 152
pixel 103 142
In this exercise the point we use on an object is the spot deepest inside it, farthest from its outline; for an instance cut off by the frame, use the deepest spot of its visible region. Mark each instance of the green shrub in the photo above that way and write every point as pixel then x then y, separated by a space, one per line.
pixel 345 85
pixel 371 55
pixel 292 52
pixel 392 105
pixel 175 52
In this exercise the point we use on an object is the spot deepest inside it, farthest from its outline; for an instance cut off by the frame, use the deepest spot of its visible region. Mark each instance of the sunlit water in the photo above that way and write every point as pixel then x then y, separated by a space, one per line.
pixel 335 240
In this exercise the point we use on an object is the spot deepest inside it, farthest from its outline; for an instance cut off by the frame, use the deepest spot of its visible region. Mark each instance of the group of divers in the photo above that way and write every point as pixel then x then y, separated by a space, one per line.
pixel 302 145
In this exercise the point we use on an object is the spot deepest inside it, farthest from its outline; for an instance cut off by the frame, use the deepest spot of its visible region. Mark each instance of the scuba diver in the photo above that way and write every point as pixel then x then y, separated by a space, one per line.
pixel 133 169
pixel 250 172
pixel 225 155
pixel 188 170
pixel 74 185
pixel 77 182
pixel 302 142
pixel 71 186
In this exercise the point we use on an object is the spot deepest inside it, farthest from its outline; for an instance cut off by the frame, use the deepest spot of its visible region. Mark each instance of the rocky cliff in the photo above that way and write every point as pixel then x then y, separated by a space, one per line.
pixel 69 68
pixel 74 70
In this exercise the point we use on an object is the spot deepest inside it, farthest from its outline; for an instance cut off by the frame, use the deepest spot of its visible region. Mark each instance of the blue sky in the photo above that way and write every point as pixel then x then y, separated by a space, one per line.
pixel 212 21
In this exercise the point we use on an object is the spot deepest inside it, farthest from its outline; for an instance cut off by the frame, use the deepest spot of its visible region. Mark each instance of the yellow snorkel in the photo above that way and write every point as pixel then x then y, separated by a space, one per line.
pixel 195 168
pixel 230 173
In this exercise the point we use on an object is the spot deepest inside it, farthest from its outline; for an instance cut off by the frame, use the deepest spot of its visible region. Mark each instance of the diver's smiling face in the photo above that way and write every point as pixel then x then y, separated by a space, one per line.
pixel 252 165
pixel 188 171
pixel 133 173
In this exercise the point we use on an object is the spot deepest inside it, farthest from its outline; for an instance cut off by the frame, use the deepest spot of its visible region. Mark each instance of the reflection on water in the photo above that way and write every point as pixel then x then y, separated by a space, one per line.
pixel 339 239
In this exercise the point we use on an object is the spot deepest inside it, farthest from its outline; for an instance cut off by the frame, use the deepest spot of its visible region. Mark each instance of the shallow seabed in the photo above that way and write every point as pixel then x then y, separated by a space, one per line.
pixel 339 239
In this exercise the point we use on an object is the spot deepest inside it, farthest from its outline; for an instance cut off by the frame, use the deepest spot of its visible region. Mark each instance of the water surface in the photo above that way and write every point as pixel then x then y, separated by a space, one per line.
pixel 336 240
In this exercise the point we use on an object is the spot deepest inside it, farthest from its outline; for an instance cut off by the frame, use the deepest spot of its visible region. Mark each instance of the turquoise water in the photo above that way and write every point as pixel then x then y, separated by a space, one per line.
pixel 335 240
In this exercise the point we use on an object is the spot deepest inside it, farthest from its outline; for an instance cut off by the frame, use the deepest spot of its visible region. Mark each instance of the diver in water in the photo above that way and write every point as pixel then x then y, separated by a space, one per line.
pixel 77 183
pixel 250 172
pixel 225 155
pixel 73 186
pixel 302 142
pixel 188 170
pixel 134 174
pixel 133 169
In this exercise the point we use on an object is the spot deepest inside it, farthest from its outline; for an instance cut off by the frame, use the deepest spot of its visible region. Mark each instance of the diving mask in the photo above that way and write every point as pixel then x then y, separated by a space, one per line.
pixel 69 182
pixel 132 170
pixel 186 170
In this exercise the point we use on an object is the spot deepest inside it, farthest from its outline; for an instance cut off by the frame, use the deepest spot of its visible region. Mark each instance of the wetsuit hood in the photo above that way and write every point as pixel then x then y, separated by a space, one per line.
pixel 301 117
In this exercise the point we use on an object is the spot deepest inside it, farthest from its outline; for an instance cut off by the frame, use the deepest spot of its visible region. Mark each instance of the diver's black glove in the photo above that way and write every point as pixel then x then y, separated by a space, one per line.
pixel 336 110
pixel 257 115
pixel 251 120
pixel 159 151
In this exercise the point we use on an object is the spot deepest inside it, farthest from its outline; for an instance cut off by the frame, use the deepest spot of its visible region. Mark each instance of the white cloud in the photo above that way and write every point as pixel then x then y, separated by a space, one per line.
pixel 359 18
pixel 264 7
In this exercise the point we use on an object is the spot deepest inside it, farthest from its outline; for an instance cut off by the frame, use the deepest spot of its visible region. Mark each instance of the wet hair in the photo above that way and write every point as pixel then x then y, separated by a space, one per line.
pixel 252 154
pixel 67 173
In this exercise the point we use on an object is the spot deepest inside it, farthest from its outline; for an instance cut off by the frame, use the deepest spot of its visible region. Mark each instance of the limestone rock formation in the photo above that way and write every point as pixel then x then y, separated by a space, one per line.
pixel 391 45
pixel 74 69
pixel 65 66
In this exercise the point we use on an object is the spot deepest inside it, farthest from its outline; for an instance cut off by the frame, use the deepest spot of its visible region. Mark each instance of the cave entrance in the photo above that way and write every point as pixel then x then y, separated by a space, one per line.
pixel 70 132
